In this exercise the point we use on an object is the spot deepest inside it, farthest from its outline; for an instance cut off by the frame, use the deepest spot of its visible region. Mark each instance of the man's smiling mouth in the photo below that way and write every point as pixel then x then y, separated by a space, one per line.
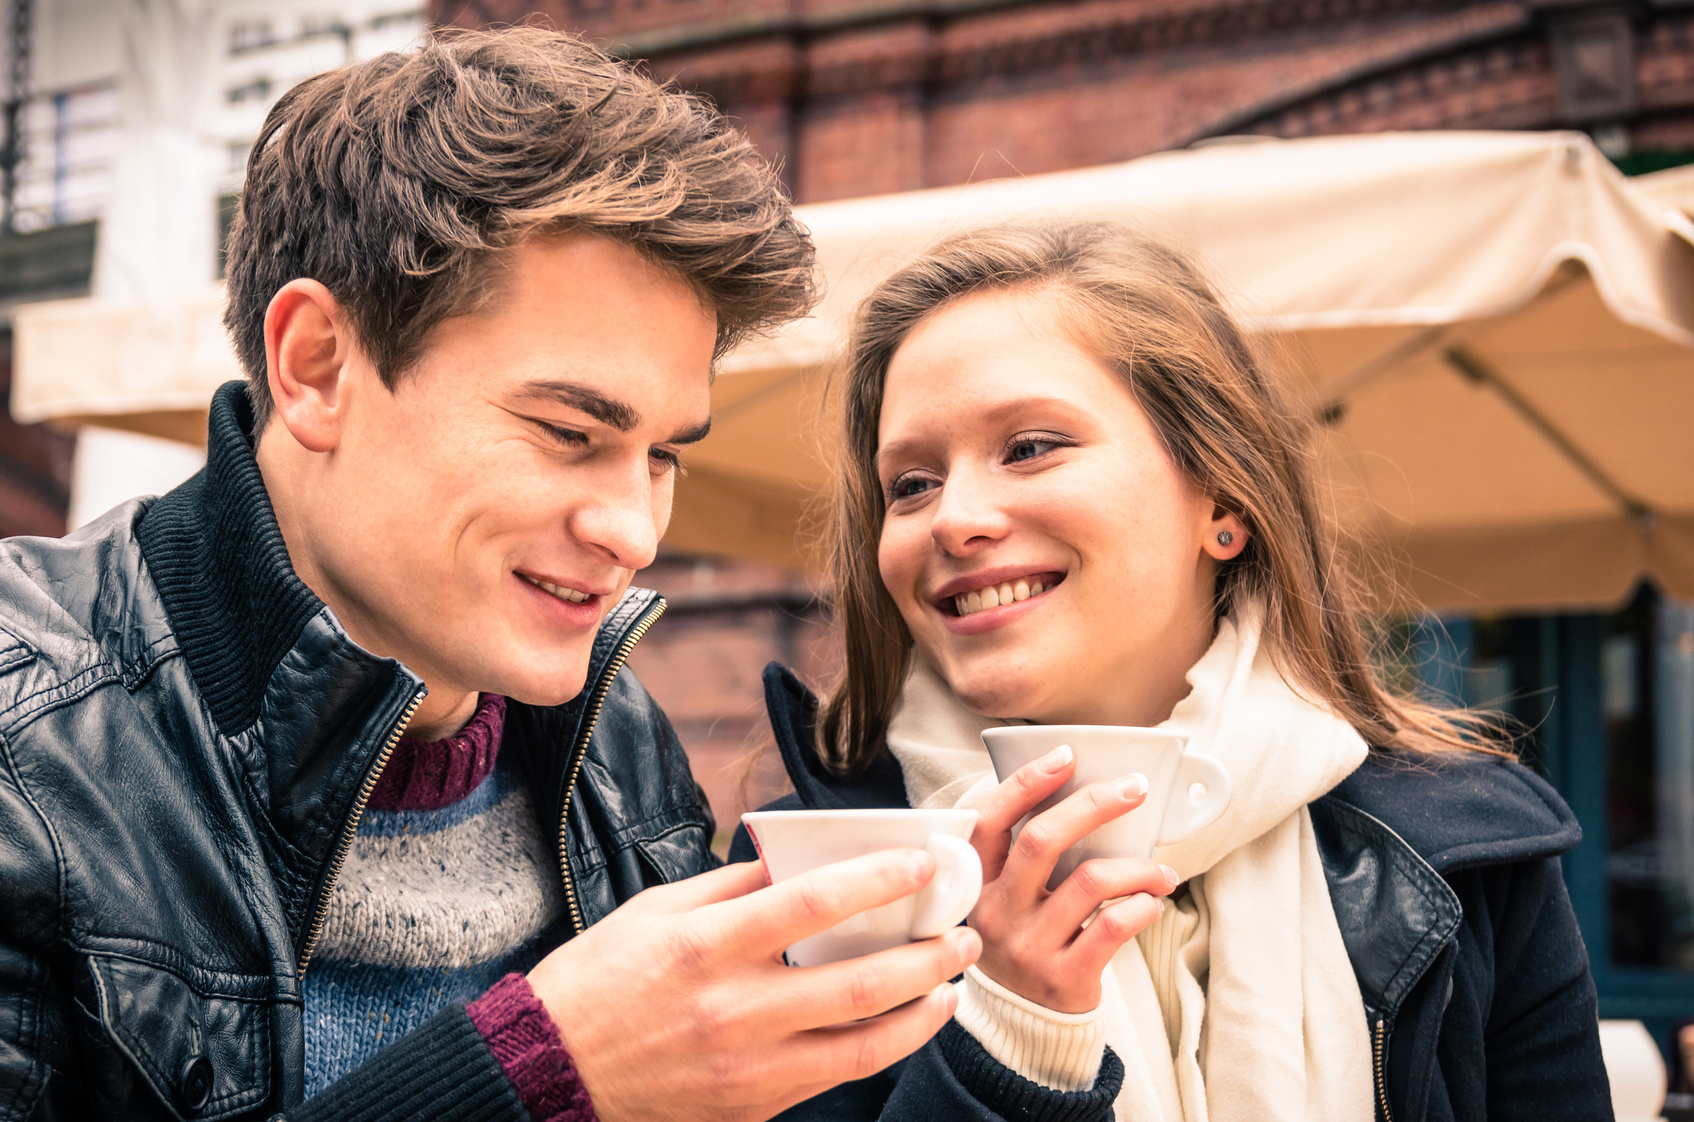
pixel 569 595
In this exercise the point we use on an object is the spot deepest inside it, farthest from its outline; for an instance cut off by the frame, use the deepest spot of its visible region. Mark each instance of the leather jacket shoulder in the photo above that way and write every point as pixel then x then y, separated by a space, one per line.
pixel 1434 866
pixel 187 737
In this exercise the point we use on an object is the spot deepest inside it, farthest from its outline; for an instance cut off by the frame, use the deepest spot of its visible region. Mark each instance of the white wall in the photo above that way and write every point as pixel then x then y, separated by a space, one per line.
pixel 111 467
pixel 184 86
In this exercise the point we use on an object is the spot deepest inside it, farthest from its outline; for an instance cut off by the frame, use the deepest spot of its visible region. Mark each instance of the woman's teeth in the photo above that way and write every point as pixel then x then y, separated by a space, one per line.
pixel 569 595
pixel 994 595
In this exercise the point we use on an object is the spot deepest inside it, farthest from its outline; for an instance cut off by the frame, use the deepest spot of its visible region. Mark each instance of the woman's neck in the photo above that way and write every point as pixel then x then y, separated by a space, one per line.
pixel 1140 692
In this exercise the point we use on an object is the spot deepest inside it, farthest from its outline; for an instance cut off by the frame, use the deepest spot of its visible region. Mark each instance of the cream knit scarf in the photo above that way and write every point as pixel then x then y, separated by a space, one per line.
pixel 1261 1019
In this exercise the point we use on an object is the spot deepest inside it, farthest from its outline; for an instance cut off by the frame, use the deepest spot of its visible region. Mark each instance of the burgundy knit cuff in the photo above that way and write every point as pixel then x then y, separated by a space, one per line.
pixel 530 1051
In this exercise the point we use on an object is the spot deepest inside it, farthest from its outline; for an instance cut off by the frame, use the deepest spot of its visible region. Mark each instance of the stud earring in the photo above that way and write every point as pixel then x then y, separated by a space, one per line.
pixel 1225 537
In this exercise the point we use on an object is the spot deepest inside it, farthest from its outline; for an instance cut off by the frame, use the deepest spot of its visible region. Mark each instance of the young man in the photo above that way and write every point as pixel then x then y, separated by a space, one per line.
pixel 307 764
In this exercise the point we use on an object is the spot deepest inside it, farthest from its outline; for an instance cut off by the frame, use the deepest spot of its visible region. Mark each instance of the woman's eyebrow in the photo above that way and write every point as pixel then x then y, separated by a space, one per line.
pixel 906 446
pixel 602 407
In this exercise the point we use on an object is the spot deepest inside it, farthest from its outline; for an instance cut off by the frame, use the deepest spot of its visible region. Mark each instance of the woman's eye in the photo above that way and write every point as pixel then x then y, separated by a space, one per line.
pixel 907 486
pixel 1027 448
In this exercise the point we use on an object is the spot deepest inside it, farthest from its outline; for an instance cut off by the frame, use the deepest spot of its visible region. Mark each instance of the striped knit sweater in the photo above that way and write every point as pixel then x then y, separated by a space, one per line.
pixel 448 896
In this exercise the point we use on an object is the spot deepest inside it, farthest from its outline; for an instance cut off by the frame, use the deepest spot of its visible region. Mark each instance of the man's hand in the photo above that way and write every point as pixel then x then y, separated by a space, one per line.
pixel 1034 943
pixel 678 1004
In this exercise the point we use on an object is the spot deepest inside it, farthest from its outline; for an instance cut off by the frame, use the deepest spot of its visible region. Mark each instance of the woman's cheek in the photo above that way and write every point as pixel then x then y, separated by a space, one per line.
pixel 898 567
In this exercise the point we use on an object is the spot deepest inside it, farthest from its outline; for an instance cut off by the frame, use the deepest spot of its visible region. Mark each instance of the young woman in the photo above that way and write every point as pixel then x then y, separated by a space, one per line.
pixel 1071 494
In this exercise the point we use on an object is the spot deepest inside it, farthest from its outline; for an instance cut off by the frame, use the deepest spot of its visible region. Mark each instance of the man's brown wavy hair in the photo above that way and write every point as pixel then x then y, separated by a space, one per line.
pixel 398 183
pixel 1148 313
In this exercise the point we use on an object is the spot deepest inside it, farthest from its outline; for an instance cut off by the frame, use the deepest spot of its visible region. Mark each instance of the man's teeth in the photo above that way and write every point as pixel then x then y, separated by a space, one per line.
pixel 996 594
pixel 570 595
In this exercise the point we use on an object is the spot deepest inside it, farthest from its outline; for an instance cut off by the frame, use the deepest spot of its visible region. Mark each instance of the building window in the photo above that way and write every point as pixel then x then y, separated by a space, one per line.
pixel 259 89
pixel 248 35
pixel 1606 704
pixel 1647 704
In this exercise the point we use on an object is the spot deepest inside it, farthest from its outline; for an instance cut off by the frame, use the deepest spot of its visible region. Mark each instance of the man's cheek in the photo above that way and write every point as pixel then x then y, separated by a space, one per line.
pixel 664 497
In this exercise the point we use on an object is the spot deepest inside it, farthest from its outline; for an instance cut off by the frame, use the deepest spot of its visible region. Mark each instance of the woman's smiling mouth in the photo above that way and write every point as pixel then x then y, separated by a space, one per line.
pixel 996 593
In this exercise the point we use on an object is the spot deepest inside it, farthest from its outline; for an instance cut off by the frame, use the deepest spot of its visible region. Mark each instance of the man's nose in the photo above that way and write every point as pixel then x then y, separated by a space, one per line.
pixel 618 519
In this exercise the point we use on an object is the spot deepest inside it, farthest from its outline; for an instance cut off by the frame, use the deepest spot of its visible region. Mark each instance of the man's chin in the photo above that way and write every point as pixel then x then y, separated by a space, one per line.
pixel 545 689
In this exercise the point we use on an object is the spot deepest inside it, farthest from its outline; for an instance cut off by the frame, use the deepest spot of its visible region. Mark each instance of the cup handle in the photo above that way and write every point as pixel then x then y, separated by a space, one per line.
pixel 1184 814
pixel 951 893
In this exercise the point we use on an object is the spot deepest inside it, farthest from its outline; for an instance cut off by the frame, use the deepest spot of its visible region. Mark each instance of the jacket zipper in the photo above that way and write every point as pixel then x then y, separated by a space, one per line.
pixel 579 752
pixel 1379 1049
pixel 315 930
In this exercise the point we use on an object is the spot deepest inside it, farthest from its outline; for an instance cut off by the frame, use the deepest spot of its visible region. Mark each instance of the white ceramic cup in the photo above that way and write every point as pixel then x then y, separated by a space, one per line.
pixel 791 842
pixel 1185 790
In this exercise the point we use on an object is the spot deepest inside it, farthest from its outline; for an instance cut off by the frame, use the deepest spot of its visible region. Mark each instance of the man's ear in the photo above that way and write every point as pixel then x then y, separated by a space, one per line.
pixel 307 347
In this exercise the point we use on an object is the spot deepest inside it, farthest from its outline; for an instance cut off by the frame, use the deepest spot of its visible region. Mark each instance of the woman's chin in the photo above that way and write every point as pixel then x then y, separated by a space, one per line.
pixel 1000 698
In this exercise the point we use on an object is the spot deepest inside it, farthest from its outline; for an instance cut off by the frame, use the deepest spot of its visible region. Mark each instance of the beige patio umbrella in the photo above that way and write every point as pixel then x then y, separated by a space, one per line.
pixel 1496 330
pixel 1673 187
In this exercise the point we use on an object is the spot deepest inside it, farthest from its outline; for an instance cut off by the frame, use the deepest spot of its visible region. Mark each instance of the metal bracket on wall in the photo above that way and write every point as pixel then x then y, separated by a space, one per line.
pixel 1472 368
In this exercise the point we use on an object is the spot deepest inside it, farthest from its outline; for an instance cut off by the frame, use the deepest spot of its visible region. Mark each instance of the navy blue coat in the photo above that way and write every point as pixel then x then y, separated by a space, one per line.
pixel 1446 883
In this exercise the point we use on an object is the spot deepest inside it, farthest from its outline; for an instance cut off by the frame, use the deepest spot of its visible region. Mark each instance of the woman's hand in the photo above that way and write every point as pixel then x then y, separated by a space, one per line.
pixel 1033 941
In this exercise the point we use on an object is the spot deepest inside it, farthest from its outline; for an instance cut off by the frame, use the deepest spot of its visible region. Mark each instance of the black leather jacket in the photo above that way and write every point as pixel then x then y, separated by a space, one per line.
pixel 187 739
pixel 1446 885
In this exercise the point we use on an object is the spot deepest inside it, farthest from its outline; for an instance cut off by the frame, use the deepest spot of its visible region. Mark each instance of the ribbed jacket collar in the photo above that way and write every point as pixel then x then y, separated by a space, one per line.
pixel 217 556
pixel 304 708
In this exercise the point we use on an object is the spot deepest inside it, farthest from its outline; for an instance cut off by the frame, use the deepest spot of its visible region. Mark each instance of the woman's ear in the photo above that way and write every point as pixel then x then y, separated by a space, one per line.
pixel 1226 534
pixel 307 347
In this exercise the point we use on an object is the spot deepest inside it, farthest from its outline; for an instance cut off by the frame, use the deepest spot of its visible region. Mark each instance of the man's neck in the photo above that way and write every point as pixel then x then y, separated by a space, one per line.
pixel 445 710
pixel 442 713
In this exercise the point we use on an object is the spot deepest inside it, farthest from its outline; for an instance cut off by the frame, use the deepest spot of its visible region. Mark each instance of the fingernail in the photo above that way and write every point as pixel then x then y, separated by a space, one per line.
pixel 922 864
pixel 1058 758
pixel 1170 876
pixel 1132 786
pixel 1161 904
pixel 949 996
pixel 969 944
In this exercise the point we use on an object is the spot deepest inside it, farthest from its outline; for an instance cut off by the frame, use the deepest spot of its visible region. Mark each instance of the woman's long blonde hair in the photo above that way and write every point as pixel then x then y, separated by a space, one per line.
pixel 1146 311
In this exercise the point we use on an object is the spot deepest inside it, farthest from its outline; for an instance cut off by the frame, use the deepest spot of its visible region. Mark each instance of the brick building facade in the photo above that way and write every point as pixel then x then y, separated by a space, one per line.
pixel 860 97
pixel 727 620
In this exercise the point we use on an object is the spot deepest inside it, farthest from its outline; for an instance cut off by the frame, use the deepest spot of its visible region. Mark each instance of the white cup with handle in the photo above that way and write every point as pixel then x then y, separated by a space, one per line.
pixel 1185 790
pixel 791 842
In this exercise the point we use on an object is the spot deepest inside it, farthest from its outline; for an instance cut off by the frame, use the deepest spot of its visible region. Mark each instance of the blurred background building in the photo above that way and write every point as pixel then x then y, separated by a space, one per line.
pixel 863 97
pixel 119 111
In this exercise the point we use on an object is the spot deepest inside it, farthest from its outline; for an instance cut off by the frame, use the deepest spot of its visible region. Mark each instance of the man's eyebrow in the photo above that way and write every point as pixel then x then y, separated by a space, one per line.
pixel 607 410
pixel 693 434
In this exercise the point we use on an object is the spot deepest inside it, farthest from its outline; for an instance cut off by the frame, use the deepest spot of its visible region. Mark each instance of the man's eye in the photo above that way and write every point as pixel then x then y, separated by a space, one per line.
pixel 667 461
pixel 569 437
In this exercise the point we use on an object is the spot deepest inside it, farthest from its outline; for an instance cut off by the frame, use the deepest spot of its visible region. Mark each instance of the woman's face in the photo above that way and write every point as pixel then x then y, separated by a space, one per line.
pixel 1050 559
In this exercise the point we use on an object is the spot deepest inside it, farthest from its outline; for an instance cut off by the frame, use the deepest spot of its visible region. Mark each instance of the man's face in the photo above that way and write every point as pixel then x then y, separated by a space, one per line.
pixel 480 521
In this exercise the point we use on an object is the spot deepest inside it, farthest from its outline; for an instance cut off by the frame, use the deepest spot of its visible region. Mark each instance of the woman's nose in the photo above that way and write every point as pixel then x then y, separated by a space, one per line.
pixel 969 514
